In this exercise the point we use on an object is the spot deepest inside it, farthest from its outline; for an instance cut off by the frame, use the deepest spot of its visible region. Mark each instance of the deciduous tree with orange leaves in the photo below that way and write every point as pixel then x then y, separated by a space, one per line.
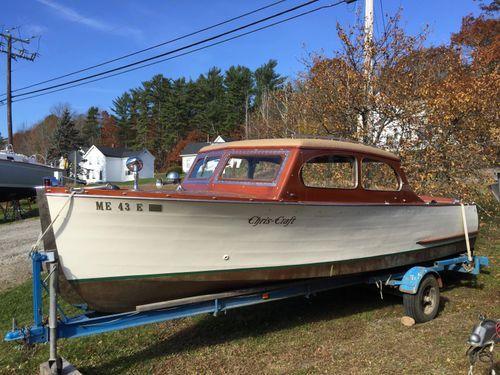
pixel 437 107
pixel 109 131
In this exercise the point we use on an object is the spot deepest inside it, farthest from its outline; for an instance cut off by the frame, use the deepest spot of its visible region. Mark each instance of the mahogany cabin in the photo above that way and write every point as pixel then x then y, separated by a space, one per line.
pixel 290 170
pixel 310 170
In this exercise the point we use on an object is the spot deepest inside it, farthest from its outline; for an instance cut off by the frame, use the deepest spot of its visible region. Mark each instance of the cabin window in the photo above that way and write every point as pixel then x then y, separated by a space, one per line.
pixel 264 168
pixel 205 167
pixel 377 175
pixel 330 171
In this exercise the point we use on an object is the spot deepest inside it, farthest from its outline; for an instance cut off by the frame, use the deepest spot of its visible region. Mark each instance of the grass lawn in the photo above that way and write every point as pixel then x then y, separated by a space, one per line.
pixel 145 183
pixel 142 181
pixel 347 331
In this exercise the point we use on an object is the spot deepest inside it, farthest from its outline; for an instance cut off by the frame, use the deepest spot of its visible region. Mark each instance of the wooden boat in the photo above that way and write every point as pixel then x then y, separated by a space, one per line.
pixel 250 213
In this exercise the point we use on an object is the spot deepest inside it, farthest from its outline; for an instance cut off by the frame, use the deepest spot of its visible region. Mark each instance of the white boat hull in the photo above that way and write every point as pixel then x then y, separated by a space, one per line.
pixel 119 240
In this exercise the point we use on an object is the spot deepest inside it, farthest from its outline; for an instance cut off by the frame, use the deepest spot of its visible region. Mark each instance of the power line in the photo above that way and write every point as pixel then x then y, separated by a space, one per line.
pixel 151 47
pixel 174 50
pixel 187 52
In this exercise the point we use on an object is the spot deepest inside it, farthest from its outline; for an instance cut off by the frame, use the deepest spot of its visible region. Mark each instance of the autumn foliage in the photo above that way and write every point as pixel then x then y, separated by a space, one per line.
pixel 173 157
pixel 37 140
pixel 109 131
pixel 437 107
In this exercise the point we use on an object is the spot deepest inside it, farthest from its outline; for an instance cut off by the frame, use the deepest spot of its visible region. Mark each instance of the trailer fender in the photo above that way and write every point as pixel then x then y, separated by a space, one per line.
pixel 412 278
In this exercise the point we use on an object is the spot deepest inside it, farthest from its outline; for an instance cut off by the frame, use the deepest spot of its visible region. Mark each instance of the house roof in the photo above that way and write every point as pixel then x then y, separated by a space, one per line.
pixel 302 143
pixel 118 152
pixel 193 148
pixel 224 139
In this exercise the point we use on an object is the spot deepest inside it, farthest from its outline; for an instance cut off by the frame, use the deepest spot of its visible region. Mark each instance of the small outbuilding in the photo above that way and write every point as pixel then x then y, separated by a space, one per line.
pixel 108 164
pixel 188 153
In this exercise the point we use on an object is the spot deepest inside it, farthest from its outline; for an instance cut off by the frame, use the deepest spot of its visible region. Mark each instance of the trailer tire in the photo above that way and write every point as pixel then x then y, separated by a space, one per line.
pixel 424 305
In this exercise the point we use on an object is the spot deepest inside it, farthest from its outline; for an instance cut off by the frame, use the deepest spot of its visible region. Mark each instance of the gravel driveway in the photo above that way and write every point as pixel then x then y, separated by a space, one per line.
pixel 16 240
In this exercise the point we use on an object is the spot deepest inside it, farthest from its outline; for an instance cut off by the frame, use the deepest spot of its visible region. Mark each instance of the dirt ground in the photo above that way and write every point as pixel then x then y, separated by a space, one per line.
pixel 16 240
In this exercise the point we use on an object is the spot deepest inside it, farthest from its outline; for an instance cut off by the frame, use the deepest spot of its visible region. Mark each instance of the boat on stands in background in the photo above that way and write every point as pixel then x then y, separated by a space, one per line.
pixel 250 213
pixel 20 174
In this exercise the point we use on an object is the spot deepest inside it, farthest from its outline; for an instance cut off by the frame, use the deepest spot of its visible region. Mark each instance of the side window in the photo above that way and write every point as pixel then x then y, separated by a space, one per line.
pixel 236 169
pixel 377 175
pixel 205 167
pixel 330 171
pixel 264 168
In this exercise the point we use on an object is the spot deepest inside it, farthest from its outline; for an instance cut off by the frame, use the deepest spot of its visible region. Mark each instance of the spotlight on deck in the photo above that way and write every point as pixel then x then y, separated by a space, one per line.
pixel 173 178
pixel 135 164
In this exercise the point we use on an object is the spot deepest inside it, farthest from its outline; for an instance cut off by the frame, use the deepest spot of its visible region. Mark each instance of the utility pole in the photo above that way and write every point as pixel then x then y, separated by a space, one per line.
pixel 368 53
pixel 368 61
pixel 7 42
pixel 9 91
pixel 247 97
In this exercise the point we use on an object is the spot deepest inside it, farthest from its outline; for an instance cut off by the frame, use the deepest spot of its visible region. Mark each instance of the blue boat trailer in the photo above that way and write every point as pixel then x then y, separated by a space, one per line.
pixel 418 284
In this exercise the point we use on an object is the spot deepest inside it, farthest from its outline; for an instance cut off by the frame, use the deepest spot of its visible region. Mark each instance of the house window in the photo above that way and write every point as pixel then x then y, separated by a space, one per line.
pixel 377 175
pixel 330 172
pixel 205 167
pixel 263 168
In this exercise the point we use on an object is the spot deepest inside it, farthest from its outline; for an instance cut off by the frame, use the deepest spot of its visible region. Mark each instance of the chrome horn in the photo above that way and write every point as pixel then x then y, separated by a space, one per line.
pixel 135 164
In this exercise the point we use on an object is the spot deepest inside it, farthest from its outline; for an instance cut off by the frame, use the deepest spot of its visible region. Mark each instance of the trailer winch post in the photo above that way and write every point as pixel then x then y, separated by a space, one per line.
pixel 36 266
pixel 55 362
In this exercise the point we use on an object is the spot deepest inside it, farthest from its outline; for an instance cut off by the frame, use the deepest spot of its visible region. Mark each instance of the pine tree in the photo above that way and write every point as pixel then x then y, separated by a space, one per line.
pixel 159 89
pixel 267 80
pixel 91 128
pixel 177 110
pixel 239 86
pixel 141 117
pixel 176 113
pixel 209 105
pixel 124 110
pixel 66 138
pixel 162 112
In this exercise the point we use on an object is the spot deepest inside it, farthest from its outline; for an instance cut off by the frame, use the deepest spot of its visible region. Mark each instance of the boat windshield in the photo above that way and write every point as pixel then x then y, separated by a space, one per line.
pixel 264 168
pixel 204 167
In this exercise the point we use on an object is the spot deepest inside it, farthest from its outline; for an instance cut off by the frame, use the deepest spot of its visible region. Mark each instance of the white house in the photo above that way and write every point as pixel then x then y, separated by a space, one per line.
pixel 188 154
pixel 107 164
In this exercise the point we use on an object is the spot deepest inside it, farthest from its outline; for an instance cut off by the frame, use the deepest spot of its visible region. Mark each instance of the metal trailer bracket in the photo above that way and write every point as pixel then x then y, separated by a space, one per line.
pixel 412 278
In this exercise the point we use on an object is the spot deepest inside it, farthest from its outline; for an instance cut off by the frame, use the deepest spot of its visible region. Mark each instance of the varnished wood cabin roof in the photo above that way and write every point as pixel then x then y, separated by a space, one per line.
pixel 302 143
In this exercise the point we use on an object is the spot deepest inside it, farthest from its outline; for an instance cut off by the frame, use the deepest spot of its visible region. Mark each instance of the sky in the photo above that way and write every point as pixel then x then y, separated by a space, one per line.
pixel 76 34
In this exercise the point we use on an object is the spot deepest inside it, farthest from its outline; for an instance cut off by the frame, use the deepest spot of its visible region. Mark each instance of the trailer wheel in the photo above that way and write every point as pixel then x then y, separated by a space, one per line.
pixel 423 306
